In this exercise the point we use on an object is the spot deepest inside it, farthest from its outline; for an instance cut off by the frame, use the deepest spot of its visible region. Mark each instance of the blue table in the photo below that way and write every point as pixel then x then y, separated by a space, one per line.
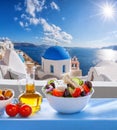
pixel 100 114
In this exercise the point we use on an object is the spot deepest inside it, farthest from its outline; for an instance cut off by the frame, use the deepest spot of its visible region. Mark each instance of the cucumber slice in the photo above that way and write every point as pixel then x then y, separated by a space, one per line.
pixel 50 81
pixel 78 81
pixel 71 90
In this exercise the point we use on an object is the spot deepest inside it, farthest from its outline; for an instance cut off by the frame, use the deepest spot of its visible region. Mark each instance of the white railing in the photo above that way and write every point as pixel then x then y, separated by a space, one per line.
pixel 102 89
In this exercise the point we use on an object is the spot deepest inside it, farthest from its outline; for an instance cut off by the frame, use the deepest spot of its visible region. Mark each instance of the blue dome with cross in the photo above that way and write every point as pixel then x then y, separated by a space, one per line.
pixel 56 53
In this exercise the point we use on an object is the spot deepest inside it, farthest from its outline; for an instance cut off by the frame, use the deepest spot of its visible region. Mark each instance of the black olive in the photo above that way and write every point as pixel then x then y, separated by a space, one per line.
pixel 89 84
pixel 83 93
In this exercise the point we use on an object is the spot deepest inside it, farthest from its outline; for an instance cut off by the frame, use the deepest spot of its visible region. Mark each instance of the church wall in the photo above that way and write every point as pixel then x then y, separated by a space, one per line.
pixel 58 64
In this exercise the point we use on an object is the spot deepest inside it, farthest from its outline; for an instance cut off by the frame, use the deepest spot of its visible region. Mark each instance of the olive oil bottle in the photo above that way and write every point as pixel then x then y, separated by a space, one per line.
pixel 31 96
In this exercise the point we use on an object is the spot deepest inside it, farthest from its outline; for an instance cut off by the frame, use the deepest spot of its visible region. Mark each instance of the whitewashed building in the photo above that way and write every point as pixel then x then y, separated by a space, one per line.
pixel 56 61
pixel 104 71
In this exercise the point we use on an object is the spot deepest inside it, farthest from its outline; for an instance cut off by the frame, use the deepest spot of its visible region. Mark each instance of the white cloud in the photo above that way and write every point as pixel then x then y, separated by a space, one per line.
pixel 47 27
pixel 27 29
pixel 54 33
pixel 30 8
pixel 33 6
pixel 54 6
pixel 18 7
pixel 34 21
pixel 26 24
pixel 49 40
pixel 39 5
pixel 21 23
pixel 24 16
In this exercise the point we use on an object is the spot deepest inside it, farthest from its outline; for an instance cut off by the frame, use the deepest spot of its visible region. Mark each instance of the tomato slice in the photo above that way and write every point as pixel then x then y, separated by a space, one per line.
pixel 86 89
pixel 57 92
pixel 76 92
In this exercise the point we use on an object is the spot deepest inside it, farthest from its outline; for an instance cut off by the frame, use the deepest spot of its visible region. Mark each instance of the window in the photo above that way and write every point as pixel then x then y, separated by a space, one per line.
pixel 51 69
pixel 72 65
pixel 63 68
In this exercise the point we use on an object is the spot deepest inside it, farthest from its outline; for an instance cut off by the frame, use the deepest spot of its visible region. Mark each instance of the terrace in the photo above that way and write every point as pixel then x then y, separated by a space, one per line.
pixel 100 112
pixel 102 89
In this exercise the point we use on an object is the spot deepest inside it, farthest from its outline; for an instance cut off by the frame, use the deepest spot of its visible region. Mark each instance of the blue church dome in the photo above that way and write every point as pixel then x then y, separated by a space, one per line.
pixel 56 53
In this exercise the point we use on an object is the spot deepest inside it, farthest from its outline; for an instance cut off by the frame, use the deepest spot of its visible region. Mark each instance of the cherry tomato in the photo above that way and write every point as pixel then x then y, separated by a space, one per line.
pixel 57 93
pixel 25 110
pixel 12 110
pixel 20 104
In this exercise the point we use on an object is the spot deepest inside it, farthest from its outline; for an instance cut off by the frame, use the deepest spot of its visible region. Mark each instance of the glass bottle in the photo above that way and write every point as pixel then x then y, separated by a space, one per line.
pixel 31 96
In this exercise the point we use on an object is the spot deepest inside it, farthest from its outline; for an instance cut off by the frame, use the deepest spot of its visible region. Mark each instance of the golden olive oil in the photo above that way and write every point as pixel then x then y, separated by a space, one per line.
pixel 30 96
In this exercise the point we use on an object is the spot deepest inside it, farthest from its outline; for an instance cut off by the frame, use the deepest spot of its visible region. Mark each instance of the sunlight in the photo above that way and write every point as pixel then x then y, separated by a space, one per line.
pixel 107 54
pixel 100 108
pixel 108 11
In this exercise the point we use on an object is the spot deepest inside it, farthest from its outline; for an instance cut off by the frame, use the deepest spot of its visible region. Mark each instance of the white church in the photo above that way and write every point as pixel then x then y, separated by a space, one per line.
pixel 56 62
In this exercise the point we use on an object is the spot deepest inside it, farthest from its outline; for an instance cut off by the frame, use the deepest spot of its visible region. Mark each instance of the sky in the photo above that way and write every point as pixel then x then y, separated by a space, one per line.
pixel 76 23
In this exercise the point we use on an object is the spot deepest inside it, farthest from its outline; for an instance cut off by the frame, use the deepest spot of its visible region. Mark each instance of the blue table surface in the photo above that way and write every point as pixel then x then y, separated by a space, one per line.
pixel 98 114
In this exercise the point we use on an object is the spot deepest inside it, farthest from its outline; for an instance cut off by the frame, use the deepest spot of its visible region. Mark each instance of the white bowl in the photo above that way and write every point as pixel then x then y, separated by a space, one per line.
pixel 67 104
pixel 3 103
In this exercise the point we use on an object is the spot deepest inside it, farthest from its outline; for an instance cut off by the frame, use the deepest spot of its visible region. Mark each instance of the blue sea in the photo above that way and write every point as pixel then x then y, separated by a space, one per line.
pixel 88 57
